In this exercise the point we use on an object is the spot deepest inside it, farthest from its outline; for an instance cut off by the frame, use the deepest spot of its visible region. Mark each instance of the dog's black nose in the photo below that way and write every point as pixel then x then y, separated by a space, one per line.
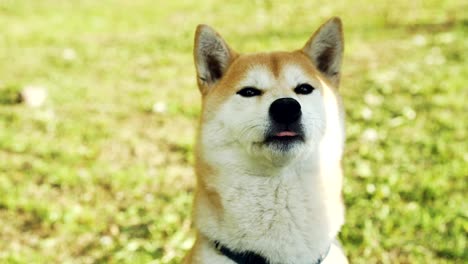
pixel 285 110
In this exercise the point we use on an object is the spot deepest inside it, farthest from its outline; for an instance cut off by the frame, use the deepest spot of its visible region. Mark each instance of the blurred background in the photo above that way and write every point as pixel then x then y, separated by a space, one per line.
pixel 98 109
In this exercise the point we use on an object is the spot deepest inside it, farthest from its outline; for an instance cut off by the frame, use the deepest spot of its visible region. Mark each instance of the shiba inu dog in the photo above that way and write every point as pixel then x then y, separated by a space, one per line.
pixel 268 153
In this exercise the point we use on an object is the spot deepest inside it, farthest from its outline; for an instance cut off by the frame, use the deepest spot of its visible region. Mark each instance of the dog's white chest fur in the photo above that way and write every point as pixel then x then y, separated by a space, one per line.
pixel 280 212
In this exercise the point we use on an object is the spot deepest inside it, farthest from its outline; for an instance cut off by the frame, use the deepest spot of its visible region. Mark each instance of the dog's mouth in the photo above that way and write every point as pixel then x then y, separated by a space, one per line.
pixel 284 137
pixel 283 134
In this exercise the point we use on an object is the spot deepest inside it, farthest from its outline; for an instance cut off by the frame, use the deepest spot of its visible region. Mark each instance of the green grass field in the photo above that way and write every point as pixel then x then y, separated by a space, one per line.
pixel 96 176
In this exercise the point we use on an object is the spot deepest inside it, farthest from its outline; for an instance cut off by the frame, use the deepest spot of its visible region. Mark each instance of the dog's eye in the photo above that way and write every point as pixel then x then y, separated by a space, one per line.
pixel 249 92
pixel 304 88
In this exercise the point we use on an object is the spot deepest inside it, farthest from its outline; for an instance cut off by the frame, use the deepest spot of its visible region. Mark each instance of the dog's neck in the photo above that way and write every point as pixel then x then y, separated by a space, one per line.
pixel 289 214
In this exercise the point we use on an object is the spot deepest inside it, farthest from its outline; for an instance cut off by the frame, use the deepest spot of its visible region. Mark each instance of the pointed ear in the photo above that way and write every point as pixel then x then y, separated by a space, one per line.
pixel 212 57
pixel 325 49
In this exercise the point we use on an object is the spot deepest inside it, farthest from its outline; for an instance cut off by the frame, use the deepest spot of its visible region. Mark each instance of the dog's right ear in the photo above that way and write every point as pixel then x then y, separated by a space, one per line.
pixel 212 57
pixel 325 49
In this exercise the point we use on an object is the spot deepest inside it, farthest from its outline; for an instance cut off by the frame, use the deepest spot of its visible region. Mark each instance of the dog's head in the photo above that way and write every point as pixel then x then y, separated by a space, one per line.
pixel 273 105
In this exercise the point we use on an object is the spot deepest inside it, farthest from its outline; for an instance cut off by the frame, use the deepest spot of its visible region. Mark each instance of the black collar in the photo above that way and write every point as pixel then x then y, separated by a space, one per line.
pixel 250 257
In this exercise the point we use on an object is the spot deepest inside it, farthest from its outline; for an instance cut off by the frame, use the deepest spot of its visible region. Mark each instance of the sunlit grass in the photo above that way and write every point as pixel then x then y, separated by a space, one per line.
pixel 100 174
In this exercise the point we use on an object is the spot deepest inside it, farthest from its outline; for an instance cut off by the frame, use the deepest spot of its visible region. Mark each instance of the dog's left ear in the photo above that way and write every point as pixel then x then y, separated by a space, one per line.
pixel 325 49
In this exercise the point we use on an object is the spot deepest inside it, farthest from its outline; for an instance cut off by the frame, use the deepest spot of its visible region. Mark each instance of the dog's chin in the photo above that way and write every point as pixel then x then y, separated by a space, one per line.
pixel 279 151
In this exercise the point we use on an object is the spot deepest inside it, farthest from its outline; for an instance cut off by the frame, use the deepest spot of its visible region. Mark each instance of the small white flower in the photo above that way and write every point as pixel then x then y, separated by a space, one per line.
pixel 409 113
pixel 372 99
pixel 106 241
pixel 69 54
pixel 149 198
pixel 159 107
pixel 114 230
pixel 412 206
pixel 366 113
pixel 364 170
pixel 386 191
pixel 370 188
pixel 370 135
pixel 33 96
pixel 419 40
pixel 132 246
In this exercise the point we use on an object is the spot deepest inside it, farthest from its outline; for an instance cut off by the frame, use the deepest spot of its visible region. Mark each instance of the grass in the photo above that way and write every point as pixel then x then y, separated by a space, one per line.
pixel 96 176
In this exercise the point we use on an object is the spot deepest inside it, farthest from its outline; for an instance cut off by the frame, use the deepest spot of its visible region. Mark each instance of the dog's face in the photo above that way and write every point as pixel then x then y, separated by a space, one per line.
pixel 270 105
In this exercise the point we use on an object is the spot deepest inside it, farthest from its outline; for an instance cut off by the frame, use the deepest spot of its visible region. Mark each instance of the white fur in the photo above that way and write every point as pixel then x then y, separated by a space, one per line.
pixel 259 77
pixel 285 206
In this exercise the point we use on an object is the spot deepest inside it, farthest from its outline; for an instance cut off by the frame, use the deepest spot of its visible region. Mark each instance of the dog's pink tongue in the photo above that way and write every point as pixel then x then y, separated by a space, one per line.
pixel 286 134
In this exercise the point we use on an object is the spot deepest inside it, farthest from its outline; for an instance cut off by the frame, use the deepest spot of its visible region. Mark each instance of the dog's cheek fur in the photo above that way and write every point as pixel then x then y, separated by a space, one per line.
pixel 313 121
pixel 243 120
